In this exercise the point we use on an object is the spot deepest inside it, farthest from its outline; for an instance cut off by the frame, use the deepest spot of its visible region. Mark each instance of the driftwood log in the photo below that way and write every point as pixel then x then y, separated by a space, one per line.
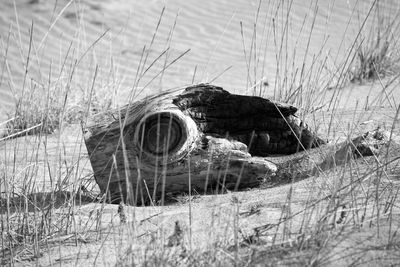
pixel 203 138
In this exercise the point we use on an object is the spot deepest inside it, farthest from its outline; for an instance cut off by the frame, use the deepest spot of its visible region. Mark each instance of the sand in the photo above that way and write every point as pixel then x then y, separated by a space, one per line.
pixel 211 30
pixel 66 33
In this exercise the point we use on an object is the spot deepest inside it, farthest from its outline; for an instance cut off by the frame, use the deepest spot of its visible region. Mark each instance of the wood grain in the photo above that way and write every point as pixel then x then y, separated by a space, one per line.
pixel 218 142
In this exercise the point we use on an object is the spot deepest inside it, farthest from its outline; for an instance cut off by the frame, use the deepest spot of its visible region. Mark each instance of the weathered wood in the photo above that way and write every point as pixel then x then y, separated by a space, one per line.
pixel 371 147
pixel 266 127
pixel 204 137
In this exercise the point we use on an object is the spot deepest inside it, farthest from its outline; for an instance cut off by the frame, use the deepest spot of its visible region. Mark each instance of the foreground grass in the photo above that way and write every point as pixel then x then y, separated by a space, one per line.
pixel 51 212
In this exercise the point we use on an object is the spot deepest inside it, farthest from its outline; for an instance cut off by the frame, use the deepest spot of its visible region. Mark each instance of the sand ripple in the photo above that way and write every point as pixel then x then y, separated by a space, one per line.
pixel 211 29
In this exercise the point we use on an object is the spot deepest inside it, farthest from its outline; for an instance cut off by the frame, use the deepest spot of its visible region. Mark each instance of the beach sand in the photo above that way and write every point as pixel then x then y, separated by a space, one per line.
pixel 64 32
pixel 60 44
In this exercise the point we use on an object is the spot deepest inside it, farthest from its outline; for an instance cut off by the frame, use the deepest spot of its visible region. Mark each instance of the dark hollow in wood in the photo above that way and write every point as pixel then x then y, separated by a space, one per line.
pixel 160 134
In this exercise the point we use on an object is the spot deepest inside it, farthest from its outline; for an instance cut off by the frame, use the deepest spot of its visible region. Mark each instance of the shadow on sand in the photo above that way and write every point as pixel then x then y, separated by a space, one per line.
pixel 44 201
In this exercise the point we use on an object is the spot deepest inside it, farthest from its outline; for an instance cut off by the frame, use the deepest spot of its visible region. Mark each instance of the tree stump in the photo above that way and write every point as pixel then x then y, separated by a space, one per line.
pixel 200 139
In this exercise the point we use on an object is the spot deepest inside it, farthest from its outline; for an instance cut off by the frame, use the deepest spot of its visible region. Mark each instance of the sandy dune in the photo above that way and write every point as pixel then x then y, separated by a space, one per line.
pixel 70 39
pixel 63 34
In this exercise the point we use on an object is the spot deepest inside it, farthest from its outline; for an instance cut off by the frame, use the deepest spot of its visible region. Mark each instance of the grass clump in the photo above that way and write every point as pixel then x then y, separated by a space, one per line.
pixel 35 114
pixel 376 54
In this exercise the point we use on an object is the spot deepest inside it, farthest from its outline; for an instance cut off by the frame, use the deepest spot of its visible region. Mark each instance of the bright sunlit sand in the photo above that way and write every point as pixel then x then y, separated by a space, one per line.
pixel 62 62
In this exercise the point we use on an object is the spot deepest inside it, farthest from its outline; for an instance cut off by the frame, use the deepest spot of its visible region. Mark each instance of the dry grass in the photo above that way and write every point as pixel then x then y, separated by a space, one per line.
pixel 51 214
pixel 376 52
